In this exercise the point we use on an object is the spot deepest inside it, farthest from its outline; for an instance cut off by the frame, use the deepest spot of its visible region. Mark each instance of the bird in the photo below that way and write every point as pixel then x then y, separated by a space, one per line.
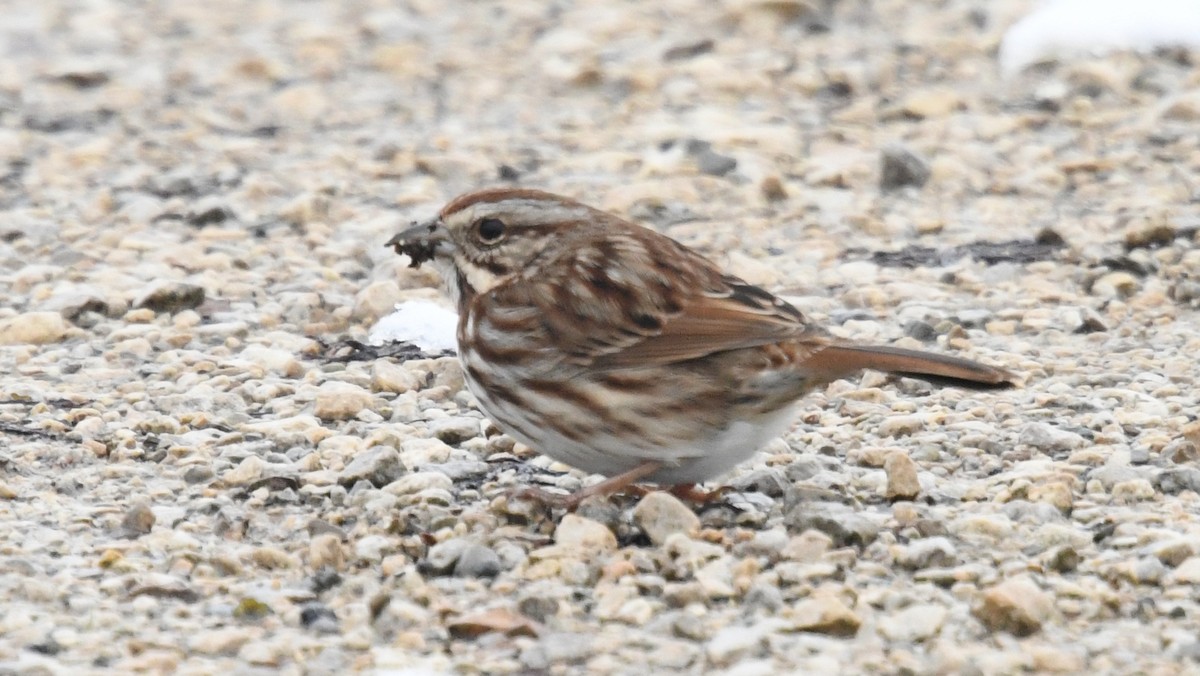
pixel 620 351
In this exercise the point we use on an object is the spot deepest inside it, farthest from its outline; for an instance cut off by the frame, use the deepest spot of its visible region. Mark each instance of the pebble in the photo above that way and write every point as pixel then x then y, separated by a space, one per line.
pixel 1016 606
pixel 661 515
pixel 340 401
pixel 583 537
pixel 902 482
pixel 478 561
pixel 902 167
pixel 170 297
pixel 932 552
pixel 33 328
pixel 138 520
pixel 1045 437
pixel 1187 572
pixel 390 377
pixel 824 613
pixel 325 551
pixel 455 429
pixel 379 465
pixel 916 623
pixel 846 525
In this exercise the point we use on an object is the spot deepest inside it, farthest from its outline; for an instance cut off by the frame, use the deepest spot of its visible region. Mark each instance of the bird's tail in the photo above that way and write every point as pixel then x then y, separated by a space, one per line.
pixel 840 360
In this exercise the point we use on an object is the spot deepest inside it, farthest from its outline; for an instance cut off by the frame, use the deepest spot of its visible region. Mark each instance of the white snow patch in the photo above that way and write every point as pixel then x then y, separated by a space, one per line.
pixel 423 323
pixel 1072 28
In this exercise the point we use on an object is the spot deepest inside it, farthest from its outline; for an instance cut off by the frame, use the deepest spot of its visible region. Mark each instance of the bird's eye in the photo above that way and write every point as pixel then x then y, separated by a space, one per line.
pixel 490 230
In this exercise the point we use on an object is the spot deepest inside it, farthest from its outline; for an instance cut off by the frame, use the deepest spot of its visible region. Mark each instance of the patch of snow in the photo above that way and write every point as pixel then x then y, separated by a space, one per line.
pixel 1072 28
pixel 423 323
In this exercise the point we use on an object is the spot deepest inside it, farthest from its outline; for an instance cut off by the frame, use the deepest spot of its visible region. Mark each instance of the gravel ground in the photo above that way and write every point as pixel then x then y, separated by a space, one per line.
pixel 199 474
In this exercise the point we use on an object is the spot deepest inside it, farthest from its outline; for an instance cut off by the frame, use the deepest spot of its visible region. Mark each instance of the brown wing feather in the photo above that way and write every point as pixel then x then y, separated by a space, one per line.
pixel 639 299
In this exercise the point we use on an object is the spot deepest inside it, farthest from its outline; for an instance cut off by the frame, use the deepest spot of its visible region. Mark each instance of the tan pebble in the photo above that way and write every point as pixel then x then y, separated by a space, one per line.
pixel 1056 493
pixel 772 189
pixel 340 401
pixel 1119 284
pixel 1134 490
pixel 661 515
pixel 139 520
pixel 932 102
pixel 224 641
pixel 902 480
pixel 271 558
pixel 248 470
pixel 1188 572
pixel 7 492
pixel 33 328
pixel 823 613
pixel 902 425
pixel 326 550
pixel 376 300
pixel 139 316
pixel 1016 606
pixel 388 376
pixel 584 537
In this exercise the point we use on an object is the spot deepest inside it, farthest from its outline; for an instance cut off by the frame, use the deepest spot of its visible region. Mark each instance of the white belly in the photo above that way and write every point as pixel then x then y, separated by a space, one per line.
pixel 704 456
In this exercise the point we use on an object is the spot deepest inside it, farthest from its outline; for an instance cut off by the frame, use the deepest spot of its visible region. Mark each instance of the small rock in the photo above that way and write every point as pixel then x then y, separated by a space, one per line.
pixel 372 548
pixel 224 641
pixel 478 561
pixel 170 297
pixel 1187 572
pixel 319 618
pixel 1056 493
pixel 442 558
pixel 1046 437
pixel 272 558
pixel 917 622
pixel 902 167
pixel 661 514
pixel 249 469
pixel 388 376
pixel 1172 552
pixel 931 102
pixel 847 526
pixel 584 537
pixel 902 482
pixel 138 521
pixel 768 481
pixel 1017 606
pixel 376 300
pixel 33 328
pixel 1172 481
pixel 325 551
pixel 1182 108
pixel 273 359
pixel 934 552
pixel 497 620
pixel 379 465
pixel 731 643
pixel 340 401
pixel 1118 284
pixel 824 613
pixel 1147 570
pixel 455 429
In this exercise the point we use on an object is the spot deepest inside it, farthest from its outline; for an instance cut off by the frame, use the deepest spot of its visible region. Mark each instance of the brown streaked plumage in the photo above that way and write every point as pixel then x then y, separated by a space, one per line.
pixel 620 351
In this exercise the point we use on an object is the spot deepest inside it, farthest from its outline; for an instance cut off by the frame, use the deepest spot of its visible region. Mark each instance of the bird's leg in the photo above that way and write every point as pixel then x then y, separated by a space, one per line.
pixel 607 487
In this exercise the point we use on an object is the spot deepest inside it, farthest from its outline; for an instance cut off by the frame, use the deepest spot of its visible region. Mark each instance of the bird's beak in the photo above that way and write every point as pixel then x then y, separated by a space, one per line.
pixel 422 242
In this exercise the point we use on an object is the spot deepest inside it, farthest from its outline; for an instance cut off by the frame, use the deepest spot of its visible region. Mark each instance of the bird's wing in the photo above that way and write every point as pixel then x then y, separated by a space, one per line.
pixel 639 299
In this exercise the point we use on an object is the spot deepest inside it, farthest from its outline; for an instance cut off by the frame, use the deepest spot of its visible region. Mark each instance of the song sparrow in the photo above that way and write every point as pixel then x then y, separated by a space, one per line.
pixel 619 351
